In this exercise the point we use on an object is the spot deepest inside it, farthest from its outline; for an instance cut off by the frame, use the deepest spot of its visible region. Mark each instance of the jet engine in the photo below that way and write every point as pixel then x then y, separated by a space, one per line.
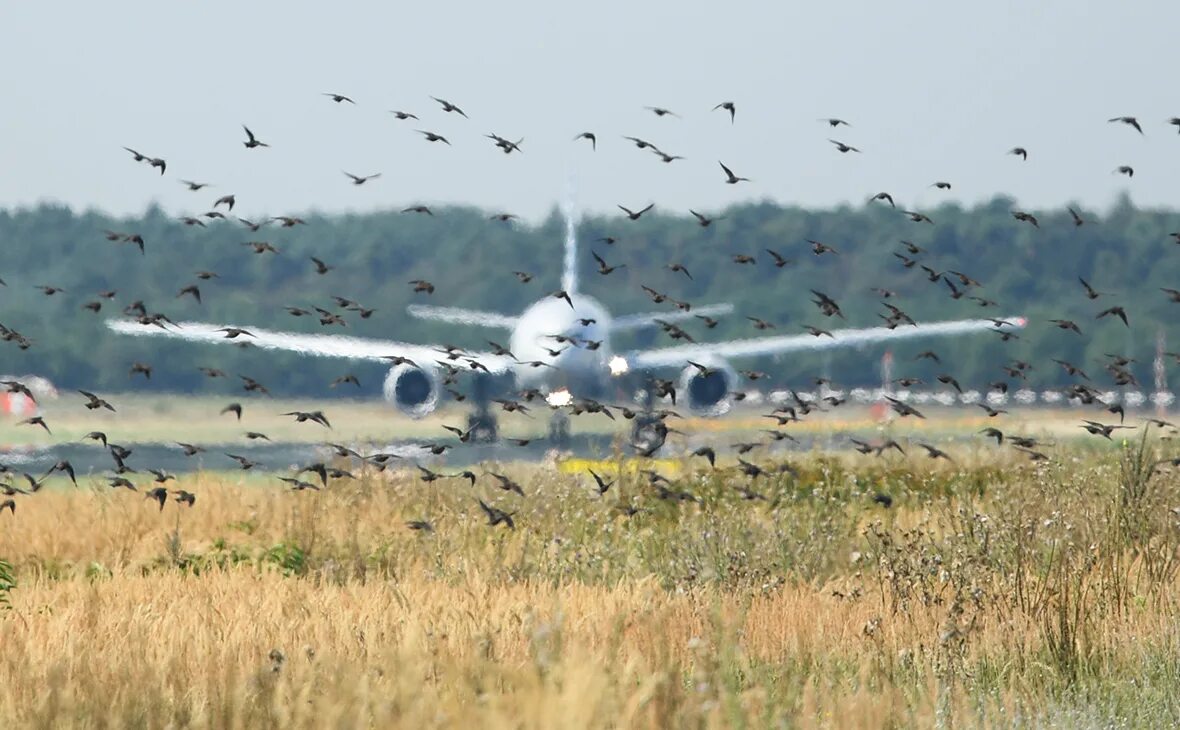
pixel 708 392
pixel 414 391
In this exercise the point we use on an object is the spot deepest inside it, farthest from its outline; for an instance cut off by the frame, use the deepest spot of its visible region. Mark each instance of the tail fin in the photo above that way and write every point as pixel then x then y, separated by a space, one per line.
pixel 569 270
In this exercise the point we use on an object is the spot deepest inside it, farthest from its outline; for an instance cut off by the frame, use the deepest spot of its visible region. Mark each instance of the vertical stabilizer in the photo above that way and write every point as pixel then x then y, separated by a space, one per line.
pixel 569 269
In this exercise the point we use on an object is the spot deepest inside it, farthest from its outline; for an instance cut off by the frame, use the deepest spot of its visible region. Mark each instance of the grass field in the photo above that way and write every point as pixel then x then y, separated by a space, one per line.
pixel 993 592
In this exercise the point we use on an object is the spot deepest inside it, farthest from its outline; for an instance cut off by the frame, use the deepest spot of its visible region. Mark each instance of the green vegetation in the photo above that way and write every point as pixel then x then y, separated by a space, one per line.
pixel 1028 271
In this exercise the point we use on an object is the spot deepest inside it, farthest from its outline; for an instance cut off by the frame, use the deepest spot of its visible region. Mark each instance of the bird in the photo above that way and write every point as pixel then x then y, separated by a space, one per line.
pixel 1066 324
pixel 362 179
pixel 779 260
pixel 1077 218
pixel 1090 291
pixel 403 115
pixel 303 416
pixel 432 137
pixel 449 107
pixel 1115 311
pixel 833 122
pixel 93 402
pixel 729 107
pixel 844 148
pixel 602 484
pixel 1129 121
pixel 660 111
pixel 35 421
pixel 338 97
pixel 252 141
pixel 884 196
pixel 730 178
pixel 590 136
pixel 497 516
pixel 603 268
pixel 234 408
pixel 635 215
pixel 1020 152
pixel 1026 218
pixel 1125 170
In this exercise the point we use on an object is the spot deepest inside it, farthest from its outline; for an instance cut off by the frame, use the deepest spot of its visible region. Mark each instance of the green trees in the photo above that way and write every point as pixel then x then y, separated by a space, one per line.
pixel 1027 270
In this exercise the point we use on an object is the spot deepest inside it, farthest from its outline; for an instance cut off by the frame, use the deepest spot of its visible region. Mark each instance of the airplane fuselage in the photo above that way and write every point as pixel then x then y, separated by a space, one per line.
pixel 583 359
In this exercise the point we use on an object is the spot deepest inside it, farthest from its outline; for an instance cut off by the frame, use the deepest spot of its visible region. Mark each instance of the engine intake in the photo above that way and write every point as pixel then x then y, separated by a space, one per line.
pixel 708 393
pixel 412 390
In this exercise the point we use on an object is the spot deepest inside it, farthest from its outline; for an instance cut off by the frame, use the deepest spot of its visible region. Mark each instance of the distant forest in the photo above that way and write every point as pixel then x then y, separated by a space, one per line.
pixel 1026 270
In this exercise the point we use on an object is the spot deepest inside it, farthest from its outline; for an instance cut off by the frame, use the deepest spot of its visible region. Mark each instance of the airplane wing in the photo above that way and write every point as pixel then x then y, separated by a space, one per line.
pixel 680 355
pixel 351 348
pixel 648 319
pixel 458 315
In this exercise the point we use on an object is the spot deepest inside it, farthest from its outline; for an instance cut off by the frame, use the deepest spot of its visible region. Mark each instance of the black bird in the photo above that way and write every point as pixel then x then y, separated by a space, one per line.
pixel 708 453
pixel 449 107
pixel 1129 121
pixel 635 215
pixel 160 494
pixel 729 107
pixel 590 136
pixel 602 484
pixel 497 516
pixel 730 178
pixel 252 141
pixel 703 220
pixel 361 179
pixel 1090 292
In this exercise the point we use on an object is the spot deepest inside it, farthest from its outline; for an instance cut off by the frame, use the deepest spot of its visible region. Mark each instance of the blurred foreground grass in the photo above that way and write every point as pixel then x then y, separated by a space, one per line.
pixel 993 592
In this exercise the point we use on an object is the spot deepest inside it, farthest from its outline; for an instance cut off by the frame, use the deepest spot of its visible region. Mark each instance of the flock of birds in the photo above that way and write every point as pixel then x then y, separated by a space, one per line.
pixel 456 363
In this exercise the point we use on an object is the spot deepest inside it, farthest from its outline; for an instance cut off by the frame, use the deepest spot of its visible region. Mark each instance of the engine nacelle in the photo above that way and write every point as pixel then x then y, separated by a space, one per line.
pixel 413 391
pixel 708 393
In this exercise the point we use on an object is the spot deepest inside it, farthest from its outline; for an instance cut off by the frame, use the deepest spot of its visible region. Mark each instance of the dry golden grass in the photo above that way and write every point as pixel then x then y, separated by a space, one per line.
pixel 987 596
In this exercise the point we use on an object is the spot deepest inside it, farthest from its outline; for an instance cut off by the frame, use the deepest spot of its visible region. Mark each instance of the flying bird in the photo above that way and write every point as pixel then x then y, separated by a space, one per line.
pixel 635 215
pixel 1129 121
pixel 730 178
pixel 449 107
pixel 361 180
pixel 252 141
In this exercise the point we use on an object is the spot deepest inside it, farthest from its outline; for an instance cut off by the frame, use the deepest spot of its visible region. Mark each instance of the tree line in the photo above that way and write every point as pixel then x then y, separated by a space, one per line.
pixel 1129 255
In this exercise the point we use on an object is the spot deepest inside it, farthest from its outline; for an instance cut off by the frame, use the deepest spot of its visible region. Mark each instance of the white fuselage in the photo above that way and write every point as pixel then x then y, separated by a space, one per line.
pixel 532 340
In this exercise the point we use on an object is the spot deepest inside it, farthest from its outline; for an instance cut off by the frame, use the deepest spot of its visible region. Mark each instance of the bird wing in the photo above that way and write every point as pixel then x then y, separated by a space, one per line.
pixel 679 355
pixel 353 348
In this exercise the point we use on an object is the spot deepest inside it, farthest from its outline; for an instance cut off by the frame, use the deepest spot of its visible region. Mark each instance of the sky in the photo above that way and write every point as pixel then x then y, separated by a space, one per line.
pixel 933 90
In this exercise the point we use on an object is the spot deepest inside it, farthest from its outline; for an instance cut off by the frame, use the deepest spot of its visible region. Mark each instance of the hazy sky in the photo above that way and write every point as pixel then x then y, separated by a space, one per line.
pixel 934 90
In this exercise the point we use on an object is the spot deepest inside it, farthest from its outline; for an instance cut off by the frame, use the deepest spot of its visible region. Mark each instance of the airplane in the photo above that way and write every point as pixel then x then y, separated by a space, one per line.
pixel 560 346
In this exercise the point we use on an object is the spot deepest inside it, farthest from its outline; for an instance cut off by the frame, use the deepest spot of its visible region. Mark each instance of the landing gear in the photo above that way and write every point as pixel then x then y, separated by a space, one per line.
pixel 482 422
pixel 559 429
pixel 648 431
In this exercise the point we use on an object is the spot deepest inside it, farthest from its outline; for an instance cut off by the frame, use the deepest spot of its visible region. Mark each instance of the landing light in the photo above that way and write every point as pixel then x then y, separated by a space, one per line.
pixel 559 397
pixel 618 365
